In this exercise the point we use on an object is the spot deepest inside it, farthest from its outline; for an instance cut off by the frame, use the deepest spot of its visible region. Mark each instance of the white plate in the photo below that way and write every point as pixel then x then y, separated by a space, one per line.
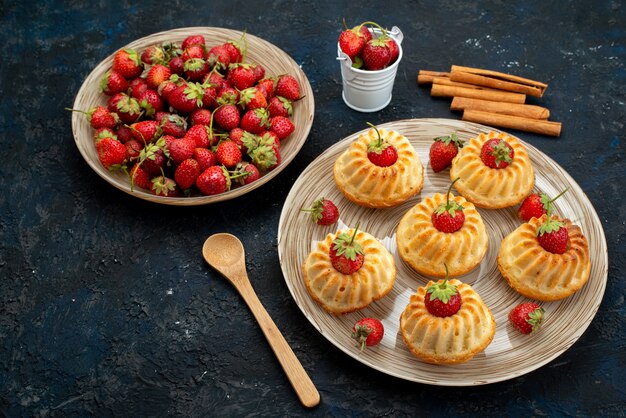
pixel 510 354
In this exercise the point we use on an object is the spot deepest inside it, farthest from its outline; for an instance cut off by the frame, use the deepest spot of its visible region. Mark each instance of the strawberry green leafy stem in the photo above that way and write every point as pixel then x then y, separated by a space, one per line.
pixel 550 225
pixel 450 207
pixel 442 291
pixel 345 245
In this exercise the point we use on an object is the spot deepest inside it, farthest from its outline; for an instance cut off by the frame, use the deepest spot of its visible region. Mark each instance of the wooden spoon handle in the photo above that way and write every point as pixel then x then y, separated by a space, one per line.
pixel 298 377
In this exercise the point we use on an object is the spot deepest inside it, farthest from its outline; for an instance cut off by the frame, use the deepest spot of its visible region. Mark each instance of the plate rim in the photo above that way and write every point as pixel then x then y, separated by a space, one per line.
pixel 573 337
pixel 78 119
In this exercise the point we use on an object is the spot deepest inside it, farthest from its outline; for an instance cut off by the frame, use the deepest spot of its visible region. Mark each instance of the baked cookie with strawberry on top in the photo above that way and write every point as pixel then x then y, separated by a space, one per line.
pixel 495 171
pixel 348 270
pixel 442 229
pixel 446 322
pixel 546 258
pixel 381 169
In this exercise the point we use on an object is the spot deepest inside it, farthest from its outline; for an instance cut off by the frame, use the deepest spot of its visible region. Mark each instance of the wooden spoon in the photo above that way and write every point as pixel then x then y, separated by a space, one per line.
pixel 225 253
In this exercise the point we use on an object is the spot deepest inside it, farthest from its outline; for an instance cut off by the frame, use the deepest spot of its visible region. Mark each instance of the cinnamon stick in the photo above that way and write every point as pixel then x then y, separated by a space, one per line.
pixel 542 127
pixel 440 90
pixel 514 109
pixel 426 76
pixel 446 81
pixel 498 80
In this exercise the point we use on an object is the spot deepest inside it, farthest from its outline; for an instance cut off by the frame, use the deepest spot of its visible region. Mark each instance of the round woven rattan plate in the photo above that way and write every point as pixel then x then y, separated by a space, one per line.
pixel 510 354
pixel 275 61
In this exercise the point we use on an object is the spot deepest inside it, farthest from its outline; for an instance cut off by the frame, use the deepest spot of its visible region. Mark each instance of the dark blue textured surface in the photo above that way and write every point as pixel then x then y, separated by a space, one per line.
pixel 106 307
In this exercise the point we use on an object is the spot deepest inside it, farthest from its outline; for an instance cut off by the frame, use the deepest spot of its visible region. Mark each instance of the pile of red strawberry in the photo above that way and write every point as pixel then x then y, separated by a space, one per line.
pixel 190 119
pixel 366 51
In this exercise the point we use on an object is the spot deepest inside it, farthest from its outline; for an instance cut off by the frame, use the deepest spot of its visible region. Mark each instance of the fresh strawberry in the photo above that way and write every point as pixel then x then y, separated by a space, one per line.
pixel 171 124
pixel 180 149
pixel 496 153
pixel 213 180
pixel 186 98
pixel 267 87
pixel 442 298
pixel 236 135
pixel 218 57
pixel 234 51
pixel 443 151
pixel 146 131
pixel 153 159
pixel 101 117
pixel 195 51
pixel 251 172
pixel 288 87
pixel 269 138
pixel 252 98
pixel 106 133
pixel 448 217
pixel 216 79
pixel 255 121
pixel 157 74
pixel 282 126
pixel 265 157
pixel 228 95
pixel 368 332
pixel 127 62
pixel 166 88
pixel 133 149
pixel 242 76
pixel 279 106
pixel 113 82
pixel 351 43
pixel 527 317
pixel 227 116
pixel 150 102
pixel 205 157
pixel 124 133
pixel 196 69
pixel 195 39
pixel 535 205
pixel 381 152
pixel 259 73
pixel 111 153
pixel 376 54
pixel 200 135
pixel 209 97
pixel 552 235
pixel 164 186
pixel 126 107
pixel 394 50
pixel 177 65
pixel 323 212
pixel 228 154
pixel 153 54
pixel 346 254
pixel 139 178
pixel 187 173
pixel 137 86
pixel 201 117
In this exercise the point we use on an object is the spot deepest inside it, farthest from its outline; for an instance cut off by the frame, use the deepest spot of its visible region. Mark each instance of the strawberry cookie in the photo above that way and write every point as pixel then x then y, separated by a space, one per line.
pixel 446 322
pixel 348 270
pixel 381 169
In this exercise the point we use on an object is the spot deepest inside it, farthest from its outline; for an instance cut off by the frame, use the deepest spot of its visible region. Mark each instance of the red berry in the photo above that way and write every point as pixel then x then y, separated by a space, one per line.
pixel 288 87
pixel 351 43
pixel 282 126
pixel 555 241
pixel 139 178
pixel 128 63
pixel 164 186
pixel 443 150
pixel 157 74
pixel 376 54
pixel 205 157
pixel 448 217
pixel 442 298
pixel 187 173
pixel 346 254
pixel 323 212
pixel 527 317
pixel 228 154
pixel 180 149
pixel 111 153
pixel 194 39
pixel 497 153
pixel 227 116
pixel 113 82
pixel 279 106
pixel 380 152
pixel 213 180
pixel 368 332
pixel 536 205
